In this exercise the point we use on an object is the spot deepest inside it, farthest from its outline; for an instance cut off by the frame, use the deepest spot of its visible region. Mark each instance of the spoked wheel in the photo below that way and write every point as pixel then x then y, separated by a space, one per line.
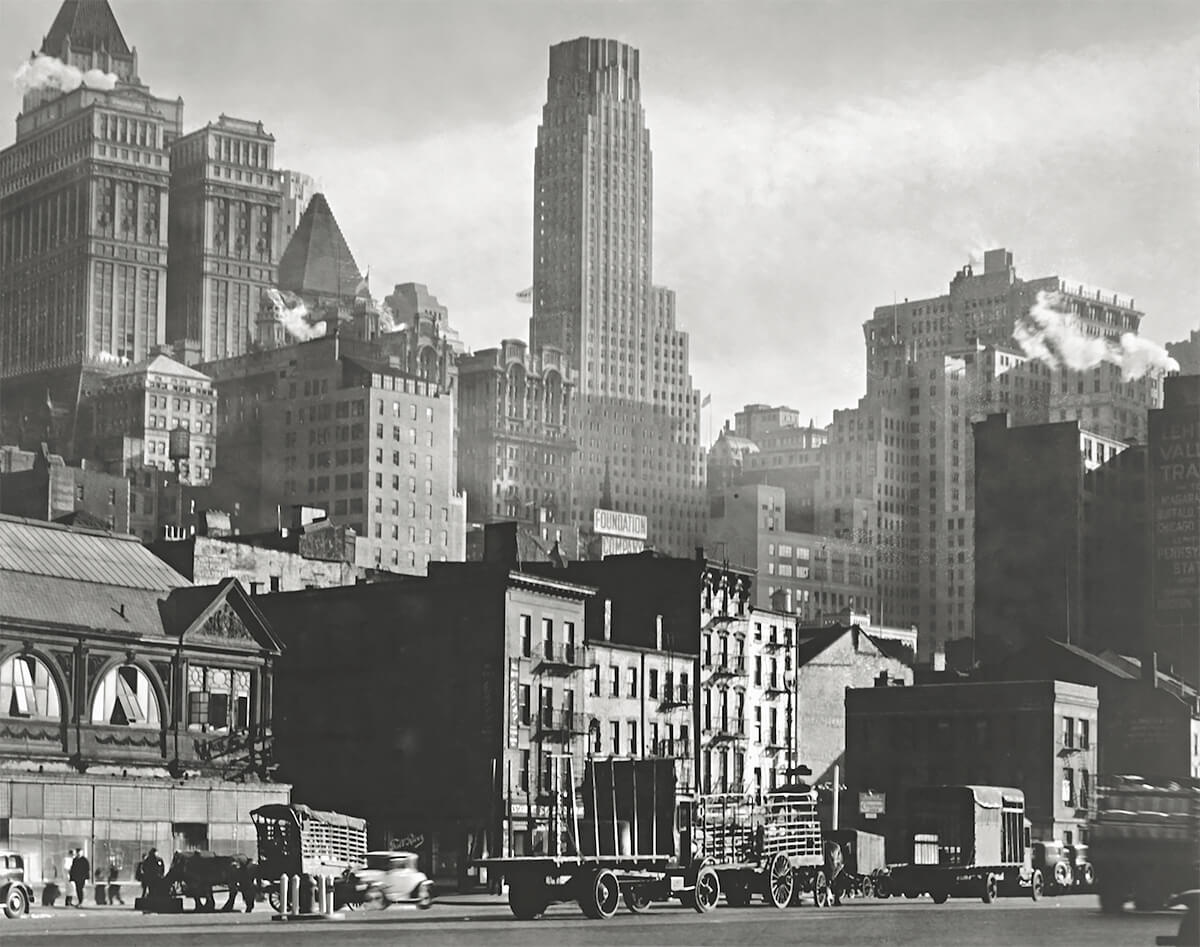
pixel 707 891
pixel 527 898
pixel 637 900
pixel 1036 885
pixel 821 893
pixel 275 901
pixel 602 895
pixel 780 881
pixel 988 894
pixel 15 902
pixel 737 892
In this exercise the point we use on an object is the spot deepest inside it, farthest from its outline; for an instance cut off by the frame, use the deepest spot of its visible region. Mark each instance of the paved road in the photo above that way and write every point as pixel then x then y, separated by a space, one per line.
pixel 1054 922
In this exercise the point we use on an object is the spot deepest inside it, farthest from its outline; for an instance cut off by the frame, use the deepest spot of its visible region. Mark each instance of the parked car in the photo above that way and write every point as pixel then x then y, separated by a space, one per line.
pixel 16 893
pixel 392 878
pixel 1188 934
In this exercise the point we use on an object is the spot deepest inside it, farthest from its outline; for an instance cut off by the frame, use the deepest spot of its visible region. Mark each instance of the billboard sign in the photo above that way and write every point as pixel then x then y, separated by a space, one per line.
pixel 616 523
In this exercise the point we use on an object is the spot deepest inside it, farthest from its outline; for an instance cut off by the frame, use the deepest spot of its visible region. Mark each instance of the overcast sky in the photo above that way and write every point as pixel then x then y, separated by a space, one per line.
pixel 812 160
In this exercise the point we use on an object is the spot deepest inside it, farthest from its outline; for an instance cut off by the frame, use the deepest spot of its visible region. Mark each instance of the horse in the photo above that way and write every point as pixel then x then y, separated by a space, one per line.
pixel 197 874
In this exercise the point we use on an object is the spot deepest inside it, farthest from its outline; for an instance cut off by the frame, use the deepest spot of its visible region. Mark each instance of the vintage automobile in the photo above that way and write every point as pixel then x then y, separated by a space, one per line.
pixel 392 878
pixel 1188 934
pixel 16 894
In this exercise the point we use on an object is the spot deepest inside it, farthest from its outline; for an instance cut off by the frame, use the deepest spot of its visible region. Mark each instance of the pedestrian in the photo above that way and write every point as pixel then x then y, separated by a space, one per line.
pixel 80 870
pixel 68 862
pixel 114 889
pixel 150 872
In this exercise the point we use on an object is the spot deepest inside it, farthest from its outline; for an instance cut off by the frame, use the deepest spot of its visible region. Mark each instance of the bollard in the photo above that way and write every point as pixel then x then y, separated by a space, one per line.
pixel 326 895
pixel 294 891
pixel 283 894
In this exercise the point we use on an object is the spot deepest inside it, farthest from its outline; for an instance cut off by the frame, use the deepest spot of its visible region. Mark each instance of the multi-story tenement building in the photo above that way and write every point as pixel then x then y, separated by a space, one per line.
pixel 352 427
pixel 821 575
pixel 899 468
pixel 135 708
pixel 83 214
pixel 1037 546
pixel 1173 475
pixel 223 229
pixel 40 486
pixel 1038 736
pixel 637 414
pixel 515 411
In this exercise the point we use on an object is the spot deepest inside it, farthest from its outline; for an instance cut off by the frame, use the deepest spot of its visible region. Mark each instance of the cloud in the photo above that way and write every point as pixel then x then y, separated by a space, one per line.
pixel 782 224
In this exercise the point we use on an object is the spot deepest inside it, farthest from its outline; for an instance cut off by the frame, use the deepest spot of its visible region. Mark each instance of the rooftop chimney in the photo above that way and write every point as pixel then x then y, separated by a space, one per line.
pixel 1150 669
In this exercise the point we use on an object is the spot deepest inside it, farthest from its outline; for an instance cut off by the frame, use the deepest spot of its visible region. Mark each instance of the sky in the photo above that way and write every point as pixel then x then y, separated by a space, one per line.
pixel 812 160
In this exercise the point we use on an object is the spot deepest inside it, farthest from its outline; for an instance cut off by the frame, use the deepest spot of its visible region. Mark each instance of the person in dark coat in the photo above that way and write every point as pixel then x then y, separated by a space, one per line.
pixel 114 887
pixel 81 870
pixel 150 873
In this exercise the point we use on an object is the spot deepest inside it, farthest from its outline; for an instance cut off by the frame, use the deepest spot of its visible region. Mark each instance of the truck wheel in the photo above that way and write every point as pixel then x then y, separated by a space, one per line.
pixel 527 898
pixel 988 895
pixel 1087 875
pixel 1035 884
pixel 637 900
pixel 703 897
pixel 1062 875
pixel 15 902
pixel 600 898
pixel 940 896
pixel 780 881
pixel 822 896
pixel 1112 897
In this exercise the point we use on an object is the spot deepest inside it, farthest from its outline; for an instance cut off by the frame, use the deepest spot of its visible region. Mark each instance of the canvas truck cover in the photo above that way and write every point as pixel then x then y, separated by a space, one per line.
pixel 966 821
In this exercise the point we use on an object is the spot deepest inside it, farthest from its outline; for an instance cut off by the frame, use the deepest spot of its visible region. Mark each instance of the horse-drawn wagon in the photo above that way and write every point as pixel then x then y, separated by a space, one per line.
pixel 297 840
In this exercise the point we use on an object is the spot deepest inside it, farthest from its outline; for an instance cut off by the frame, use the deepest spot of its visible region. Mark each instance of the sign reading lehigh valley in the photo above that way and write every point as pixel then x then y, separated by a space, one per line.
pixel 616 523
pixel 1175 516
pixel 514 701
pixel 872 804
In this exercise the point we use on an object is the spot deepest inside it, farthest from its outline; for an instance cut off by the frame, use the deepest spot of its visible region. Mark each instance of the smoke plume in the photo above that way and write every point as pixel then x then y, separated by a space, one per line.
pixel 49 72
pixel 387 318
pixel 1053 336
pixel 293 314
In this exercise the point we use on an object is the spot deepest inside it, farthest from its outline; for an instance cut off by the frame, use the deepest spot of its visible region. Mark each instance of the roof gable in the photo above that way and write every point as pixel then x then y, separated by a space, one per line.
pixel 317 259
pixel 219 615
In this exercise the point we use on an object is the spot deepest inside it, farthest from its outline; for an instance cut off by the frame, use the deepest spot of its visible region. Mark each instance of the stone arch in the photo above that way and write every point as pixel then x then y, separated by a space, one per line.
pixel 128 693
pixel 32 687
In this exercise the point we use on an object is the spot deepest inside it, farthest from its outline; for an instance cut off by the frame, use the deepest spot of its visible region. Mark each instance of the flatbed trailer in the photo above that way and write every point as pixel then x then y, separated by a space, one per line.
pixel 637 841
pixel 966 841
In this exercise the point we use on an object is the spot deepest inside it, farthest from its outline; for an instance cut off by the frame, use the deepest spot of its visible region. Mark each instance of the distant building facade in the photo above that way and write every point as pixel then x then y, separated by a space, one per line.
pixel 40 486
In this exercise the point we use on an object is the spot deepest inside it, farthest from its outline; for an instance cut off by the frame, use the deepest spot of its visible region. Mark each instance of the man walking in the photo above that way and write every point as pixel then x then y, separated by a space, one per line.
pixel 80 871
pixel 114 887
pixel 67 863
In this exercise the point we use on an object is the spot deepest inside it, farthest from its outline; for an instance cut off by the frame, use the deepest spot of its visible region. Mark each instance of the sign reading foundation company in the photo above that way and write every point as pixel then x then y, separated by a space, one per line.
pixel 616 523
pixel 1175 515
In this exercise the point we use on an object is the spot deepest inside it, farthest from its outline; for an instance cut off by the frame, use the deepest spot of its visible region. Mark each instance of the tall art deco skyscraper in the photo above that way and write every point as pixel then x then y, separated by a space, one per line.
pixel 637 418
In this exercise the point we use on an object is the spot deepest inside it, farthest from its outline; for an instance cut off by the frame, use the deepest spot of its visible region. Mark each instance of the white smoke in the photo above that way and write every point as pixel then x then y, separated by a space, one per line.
pixel 49 72
pixel 110 359
pixel 294 316
pixel 1053 336
pixel 387 318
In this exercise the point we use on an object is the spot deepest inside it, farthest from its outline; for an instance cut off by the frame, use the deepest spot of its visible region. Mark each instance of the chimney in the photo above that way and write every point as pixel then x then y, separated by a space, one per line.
pixel 658 635
pixel 608 619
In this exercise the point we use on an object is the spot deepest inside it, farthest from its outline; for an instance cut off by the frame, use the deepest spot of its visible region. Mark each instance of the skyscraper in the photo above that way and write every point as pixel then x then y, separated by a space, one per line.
pixel 637 421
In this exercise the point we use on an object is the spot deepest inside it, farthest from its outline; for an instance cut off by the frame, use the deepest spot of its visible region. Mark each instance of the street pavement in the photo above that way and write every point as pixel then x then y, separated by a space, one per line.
pixel 1054 922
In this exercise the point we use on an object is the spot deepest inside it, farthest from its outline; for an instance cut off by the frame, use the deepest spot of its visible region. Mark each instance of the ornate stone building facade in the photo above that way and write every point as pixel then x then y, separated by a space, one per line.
pixel 135 708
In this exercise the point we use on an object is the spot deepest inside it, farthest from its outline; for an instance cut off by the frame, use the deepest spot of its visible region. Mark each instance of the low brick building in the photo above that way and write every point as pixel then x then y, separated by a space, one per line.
pixel 1037 736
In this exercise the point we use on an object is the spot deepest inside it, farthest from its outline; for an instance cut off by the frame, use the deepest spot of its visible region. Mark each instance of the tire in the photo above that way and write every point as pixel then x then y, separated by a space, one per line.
pixel 988 895
pixel 1062 875
pixel 425 897
pixel 16 902
pixel 940 897
pixel 883 887
pixel 602 895
pixel 527 898
pixel 1087 875
pixel 780 881
pixel 821 893
pixel 707 891
pixel 1036 885
pixel 637 900
pixel 737 892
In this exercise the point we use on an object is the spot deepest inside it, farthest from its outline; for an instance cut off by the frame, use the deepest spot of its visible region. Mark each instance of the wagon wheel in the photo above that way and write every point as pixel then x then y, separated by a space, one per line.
pixel 707 891
pixel 600 898
pixel 527 898
pixel 822 896
pixel 275 900
pixel 637 900
pixel 780 881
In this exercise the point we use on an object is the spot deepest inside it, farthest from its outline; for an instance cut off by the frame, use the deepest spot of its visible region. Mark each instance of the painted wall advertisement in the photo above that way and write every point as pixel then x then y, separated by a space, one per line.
pixel 514 701
pixel 1175 516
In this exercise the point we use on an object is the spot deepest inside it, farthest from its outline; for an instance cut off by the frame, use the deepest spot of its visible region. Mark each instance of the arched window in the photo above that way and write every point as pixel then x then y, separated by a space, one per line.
pixel 126 698
pixel 27 689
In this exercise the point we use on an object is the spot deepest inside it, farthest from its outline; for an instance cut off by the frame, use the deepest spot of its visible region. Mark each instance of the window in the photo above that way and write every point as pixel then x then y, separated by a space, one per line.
pixel 126 698
pixel 653 684
pixel 684 690
pixel 631 726
pixel 548 637
pixel 523 771
pixel 526 635
pixel 596 688
pixel 218 698
pixel 1068 786
pixel 27 689
pixel 524 698
pixel 1085 788
pixel 614 729
pixel 614 681
pixel 1068 732
pixel 1084 734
